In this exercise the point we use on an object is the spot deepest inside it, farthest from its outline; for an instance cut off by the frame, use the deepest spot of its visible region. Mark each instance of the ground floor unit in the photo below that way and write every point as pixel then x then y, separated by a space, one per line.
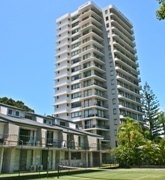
pixel 22 158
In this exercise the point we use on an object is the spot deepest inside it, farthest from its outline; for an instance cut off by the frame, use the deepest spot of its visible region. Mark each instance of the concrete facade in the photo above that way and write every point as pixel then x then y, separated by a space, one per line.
pixel 97 75
pixel 28 145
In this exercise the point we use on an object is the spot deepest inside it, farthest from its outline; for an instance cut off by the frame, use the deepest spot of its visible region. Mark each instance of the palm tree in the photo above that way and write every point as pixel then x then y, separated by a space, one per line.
pixel 130 137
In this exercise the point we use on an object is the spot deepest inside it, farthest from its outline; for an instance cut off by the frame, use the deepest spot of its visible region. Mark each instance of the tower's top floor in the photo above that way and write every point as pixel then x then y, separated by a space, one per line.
pixel 104 10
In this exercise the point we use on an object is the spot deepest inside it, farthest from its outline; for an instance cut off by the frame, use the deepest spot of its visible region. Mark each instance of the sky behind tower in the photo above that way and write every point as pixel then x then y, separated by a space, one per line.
pixel 28 41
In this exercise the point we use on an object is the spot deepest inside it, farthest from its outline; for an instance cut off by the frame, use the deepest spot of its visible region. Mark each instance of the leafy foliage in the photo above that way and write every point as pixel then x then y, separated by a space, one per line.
pixel 130 137
pixel 18 104
pixel 135 149
pixel 160 13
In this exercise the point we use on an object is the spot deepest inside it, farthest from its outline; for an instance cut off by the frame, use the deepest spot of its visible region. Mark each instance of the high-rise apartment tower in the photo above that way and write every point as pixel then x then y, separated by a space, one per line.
pixel 97 75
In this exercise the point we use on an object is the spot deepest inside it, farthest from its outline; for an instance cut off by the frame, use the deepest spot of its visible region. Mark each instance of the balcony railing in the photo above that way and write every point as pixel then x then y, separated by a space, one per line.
pixel 97 126
pixel 15 140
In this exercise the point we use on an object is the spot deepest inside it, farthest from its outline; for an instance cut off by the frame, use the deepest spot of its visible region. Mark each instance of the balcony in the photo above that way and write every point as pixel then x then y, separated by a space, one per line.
pixel 95 126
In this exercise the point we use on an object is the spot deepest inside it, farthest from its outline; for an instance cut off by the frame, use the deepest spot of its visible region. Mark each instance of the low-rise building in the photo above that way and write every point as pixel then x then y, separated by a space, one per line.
pixel 30 142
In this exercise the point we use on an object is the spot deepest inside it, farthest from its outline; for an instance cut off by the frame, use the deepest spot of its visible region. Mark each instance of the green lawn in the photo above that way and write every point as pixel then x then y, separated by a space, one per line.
pixel 138 174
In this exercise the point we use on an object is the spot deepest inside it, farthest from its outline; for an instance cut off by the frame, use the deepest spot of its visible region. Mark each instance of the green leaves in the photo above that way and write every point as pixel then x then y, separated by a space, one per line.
pixel 18 104
pixel 134 147
pixel 160 13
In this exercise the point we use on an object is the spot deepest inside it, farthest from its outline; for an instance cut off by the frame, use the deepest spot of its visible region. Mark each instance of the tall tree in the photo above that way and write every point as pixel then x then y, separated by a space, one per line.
pixel 151 111
pixel 160 13
pixel 12 102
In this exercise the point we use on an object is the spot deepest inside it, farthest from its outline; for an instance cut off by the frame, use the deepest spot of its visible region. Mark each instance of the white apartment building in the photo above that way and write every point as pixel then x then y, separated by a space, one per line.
pixel 97 75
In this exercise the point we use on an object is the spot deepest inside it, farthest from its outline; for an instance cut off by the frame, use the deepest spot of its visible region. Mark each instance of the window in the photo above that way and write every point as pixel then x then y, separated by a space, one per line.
pixel 76 155
pixel 86 56
pixel 75 60
pixel 114 111
pixel 76 104
pixel 100 113
pixel 88 113
pixel 66 155
pixel 76 95
pixel 87 92
pixel 107 25
pixel 10 112
pixel 99 93
pixel 86 39
pixel 86 65
pixel 106 18
pixel 75 45
pixel 75 30
pixel 114 101
pixel 76 114
pixel 62 123
pixel 74 17
pixel 87 73
pixel 88 103
pixel 113 91
pixel 75 38
pixel 86 48
pixel 112 82
pixel 75 86
pixel 75 24
pixel 87 83
pixel 76 68
pixel 76 77
pixel 74 53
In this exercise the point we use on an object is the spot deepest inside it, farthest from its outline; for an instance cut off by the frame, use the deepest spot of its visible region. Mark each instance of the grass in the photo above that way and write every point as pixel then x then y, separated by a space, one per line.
pixel 105 174
pixel 120 174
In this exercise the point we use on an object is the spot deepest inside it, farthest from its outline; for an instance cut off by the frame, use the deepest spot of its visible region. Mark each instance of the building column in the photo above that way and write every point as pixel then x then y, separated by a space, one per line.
pixel 34 159
pixel 100 154
pixel 1 158
pixel 54 160
pixel 91 158
pixel 86 158
pixel 69 158
pixel 12 159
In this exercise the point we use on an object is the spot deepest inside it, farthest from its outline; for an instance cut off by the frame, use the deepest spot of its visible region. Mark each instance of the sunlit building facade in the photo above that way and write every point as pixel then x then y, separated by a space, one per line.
pixel 97 75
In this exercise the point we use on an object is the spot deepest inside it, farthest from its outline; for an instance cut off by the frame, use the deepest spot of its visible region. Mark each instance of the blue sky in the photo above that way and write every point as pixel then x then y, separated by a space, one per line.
pixel 27 47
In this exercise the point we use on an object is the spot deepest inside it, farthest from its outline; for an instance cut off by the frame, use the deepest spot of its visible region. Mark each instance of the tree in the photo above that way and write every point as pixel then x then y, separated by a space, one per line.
pixel 130 137
pixel 161 118
pixel 150 153
pixel 162 152
pixel 151 111
pixel 160 13
pixel 18 104
pixel 134 148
